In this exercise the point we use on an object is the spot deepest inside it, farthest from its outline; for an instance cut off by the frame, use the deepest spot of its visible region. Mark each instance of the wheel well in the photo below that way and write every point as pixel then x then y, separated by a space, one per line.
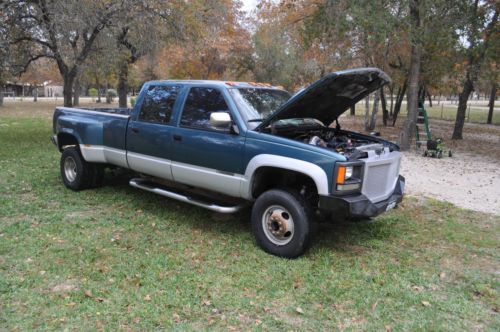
pixel 64 139
pixel 266 178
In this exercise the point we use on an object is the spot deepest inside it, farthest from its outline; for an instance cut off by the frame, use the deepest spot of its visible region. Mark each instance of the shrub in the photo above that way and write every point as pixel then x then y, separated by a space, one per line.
pixel 93 93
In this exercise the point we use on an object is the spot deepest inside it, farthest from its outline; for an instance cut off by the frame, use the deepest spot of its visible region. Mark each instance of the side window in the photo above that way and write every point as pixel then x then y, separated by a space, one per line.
pixel 158 103
pixel 200 103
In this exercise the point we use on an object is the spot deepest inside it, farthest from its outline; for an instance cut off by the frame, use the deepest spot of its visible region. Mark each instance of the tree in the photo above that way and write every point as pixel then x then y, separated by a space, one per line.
pixel 161 21
pixel 481 24
pixel 408 130
pixel 64 31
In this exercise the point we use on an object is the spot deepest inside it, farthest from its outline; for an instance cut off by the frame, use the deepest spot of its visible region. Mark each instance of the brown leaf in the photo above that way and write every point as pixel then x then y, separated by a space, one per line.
pixel 388 328
pixel 417 288
pixel 426 303
pixel 99 299
pixel 299 310
pixel 442 275
pixel 88 293
pixel 176 317
pixel 206 303
pixel 71 304
pixel 374 306
pixel 147 297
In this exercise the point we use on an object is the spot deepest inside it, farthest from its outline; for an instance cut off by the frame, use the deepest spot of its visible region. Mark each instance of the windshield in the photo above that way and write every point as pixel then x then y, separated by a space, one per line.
pixel 257 104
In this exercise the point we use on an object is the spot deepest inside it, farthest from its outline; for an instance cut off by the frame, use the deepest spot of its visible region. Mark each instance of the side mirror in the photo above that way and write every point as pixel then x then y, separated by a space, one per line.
pixel 220 120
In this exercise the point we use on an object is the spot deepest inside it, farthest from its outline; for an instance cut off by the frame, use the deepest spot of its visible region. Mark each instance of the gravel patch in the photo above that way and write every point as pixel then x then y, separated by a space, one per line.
pixel 468 181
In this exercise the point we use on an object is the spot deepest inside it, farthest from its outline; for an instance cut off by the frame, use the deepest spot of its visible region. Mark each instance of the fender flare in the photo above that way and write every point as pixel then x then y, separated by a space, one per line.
pixel 316 173
pixel 70 132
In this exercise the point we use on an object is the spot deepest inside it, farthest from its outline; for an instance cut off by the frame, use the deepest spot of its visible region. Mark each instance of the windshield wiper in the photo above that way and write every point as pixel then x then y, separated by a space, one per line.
pixel 255 120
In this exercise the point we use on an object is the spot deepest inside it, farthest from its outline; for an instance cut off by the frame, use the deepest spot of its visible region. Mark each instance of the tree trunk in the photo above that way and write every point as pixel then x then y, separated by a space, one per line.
pixel 408 130
pixel 385 112
pixel 76 93
pixel 108 96
pixel 429 97
pixel 373 119
pixel 476 55
pixel 353 110
pixel 491 104
pixel 391 90
pixel 35 94
pixel 122 84
pixel 1 98
pixel 68 90
pixel 367 113
pixel 399 101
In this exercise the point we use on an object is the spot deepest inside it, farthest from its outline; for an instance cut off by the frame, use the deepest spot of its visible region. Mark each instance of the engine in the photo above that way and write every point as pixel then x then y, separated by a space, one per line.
pixel 345 144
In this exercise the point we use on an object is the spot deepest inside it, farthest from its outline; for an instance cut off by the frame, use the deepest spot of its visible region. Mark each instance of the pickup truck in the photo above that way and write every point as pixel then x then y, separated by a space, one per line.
pixel 226 145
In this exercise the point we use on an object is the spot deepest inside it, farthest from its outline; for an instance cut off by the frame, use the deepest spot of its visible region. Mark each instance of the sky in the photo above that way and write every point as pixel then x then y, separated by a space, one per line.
pixel 249 5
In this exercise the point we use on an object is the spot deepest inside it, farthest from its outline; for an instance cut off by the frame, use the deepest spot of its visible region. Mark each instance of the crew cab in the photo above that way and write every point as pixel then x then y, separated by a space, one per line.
pixel 226 145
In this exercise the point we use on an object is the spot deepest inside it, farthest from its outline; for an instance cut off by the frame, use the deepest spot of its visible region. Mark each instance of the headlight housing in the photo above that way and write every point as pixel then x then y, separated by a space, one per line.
pixel 348 177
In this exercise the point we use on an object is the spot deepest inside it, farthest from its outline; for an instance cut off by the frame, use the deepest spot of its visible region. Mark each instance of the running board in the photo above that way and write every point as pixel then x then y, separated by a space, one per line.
pixel 146 185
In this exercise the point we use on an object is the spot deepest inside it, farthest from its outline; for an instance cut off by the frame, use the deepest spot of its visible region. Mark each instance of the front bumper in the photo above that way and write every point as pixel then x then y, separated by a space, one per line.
pixel 359 206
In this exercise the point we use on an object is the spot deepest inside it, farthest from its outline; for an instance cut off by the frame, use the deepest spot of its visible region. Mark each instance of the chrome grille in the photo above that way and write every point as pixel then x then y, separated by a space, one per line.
pixel 380 175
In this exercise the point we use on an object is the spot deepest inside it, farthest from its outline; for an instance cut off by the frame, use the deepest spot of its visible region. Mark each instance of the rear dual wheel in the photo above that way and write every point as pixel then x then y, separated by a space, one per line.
pixel 78 174
pixel 282 223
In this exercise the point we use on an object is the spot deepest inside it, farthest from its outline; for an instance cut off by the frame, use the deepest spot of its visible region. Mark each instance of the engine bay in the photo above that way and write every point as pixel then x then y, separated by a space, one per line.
pixel 342 143
pixel 349 144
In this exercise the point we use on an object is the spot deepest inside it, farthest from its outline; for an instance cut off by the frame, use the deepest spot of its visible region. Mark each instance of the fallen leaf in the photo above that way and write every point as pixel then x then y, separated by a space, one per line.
pixel 176 317
pixel 388 328
pixel 206 303
pixel 417 288
pixel 88 293
pixel 426 304
pixel 99 299
pixel 374 306
pixel 299 310
pixel 147 297
pixel 71 304
pixel 442 275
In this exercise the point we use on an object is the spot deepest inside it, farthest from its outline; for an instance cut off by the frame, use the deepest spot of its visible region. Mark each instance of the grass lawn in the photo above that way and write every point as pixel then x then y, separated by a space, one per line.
pixel 119 258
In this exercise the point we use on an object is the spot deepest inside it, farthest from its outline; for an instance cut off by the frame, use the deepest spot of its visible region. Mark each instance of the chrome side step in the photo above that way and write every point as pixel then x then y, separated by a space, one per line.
pixel 147 185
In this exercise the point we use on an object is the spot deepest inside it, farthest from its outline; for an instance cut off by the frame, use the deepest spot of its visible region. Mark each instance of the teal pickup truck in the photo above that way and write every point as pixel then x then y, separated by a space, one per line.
pixel 226 145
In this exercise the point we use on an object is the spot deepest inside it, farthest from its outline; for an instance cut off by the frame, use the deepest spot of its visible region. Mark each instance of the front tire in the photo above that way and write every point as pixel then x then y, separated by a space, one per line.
pixel 282 223
pixel 76 173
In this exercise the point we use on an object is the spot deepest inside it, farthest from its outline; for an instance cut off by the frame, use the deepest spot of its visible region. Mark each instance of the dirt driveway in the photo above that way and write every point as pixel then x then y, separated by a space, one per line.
pixel 468 181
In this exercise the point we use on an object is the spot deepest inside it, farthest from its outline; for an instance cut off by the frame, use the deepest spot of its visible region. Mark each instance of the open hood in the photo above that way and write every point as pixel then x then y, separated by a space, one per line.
pixel 329 97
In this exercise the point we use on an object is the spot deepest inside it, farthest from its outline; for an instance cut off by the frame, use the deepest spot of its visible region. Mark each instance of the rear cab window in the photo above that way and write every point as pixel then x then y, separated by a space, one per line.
pixel 158 103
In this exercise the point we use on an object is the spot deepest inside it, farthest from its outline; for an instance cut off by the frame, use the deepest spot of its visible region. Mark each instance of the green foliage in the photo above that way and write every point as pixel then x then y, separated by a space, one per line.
pixel 93 92
pixel 132 101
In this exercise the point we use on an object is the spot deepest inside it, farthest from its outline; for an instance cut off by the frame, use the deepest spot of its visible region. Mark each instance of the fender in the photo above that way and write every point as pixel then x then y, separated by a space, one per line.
pixel 69 131
pixel 313 171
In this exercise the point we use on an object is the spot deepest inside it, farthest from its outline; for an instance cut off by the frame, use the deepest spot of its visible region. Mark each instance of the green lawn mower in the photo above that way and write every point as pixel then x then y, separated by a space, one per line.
pixel 436 149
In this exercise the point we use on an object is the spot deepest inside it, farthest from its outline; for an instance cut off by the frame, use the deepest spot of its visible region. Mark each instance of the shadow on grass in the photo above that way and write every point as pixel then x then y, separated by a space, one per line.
pixel 339 236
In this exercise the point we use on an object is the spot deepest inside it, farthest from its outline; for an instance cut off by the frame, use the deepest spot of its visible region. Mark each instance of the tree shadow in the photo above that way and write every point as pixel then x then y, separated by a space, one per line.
pixel 337 236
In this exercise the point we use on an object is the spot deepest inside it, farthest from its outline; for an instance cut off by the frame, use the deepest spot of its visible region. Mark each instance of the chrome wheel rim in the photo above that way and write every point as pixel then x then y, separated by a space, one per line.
pixel 278 225
pixel 70 169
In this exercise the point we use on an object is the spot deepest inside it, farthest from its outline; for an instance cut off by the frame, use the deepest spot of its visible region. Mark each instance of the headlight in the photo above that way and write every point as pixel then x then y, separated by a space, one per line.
pixel 348 172
pixel 348 178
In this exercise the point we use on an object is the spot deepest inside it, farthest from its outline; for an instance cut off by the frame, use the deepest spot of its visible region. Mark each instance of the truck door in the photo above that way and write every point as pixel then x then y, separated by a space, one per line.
pixel 149 133
pixel 202 155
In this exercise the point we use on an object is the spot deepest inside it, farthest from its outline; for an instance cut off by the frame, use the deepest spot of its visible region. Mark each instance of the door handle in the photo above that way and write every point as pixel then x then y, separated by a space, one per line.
pixel 135 130
pixel 177 138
